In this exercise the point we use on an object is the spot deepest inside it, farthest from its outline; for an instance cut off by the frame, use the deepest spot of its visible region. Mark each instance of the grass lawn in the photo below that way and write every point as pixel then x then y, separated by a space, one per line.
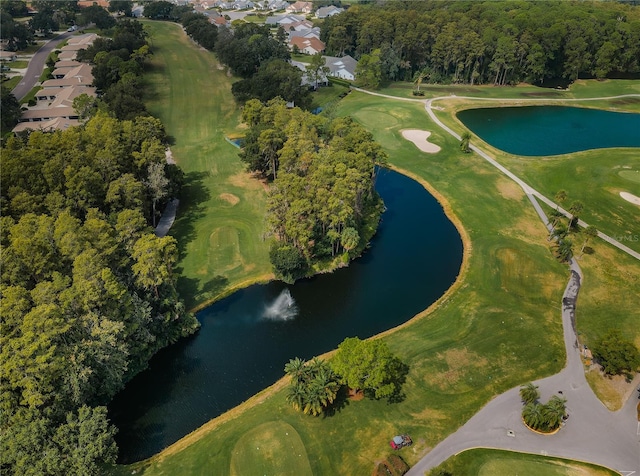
pixel 499 327
pixel 272 448
pixel 220 220
pixel 255 18
pixel 12 82
pixel 30 95
pixel 18 64
pixel 485 462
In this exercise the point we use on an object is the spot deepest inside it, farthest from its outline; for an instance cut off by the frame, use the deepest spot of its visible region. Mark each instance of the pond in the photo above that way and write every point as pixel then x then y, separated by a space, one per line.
pixel 552 130
pixel 246 339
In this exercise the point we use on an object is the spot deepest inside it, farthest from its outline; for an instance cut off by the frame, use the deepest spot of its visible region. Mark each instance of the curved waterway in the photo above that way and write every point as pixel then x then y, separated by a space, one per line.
pixel 552 130
pixel 246 339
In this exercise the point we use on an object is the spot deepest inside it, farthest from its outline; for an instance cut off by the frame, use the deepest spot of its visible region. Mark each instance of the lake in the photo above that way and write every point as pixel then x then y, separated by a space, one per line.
pixel 246 339
pixel 552 130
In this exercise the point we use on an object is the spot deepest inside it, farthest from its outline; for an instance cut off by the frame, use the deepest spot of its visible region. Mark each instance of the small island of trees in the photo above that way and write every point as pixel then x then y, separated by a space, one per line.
pixel 322 204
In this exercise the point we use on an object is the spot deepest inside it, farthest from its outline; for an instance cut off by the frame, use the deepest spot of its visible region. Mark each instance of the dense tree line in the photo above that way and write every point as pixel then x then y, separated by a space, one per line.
pixel 262 59
pixel 197 25
pixel 117 68
pixel 322 202
pixel 488 42
pixel 87 289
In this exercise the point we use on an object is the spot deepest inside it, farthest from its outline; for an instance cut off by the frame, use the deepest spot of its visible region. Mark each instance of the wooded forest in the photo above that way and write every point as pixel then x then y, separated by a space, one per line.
pixel 488 42
pixel 88 290
pixel 322 202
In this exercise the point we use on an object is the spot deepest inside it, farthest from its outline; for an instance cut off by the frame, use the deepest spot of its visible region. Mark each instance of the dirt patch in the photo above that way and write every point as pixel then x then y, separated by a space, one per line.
pixel 509 189
pixel 229 198
pixel 246 181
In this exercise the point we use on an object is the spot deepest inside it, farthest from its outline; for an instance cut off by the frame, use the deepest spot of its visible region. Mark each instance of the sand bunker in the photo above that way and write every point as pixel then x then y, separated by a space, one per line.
pixel 420 139
pixel 630 198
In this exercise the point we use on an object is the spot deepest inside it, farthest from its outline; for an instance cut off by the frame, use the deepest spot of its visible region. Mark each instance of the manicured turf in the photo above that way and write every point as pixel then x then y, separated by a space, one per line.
pixel 592 177
pixel 272 448
pixel 220 220
pixel 500 328
pixel 11 82
pixel 484 462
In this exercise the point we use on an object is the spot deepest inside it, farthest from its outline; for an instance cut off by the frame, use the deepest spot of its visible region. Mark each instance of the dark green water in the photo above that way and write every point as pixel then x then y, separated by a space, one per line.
pixel 245 340
pixel 552 130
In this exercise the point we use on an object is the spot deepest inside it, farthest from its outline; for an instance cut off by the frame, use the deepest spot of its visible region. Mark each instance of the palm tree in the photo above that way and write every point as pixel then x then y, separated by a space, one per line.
pixel 560 196
pixel 553 412
pixel 564 250
pixel 556 215
pixel 464 142
pixel 532 415
pixel 420 76
pixel 313 400
pixel 590 232
pixel 297 370
pixel 529 393
pixel 327 381
pixel 296 396
pixel 575 209
pixel 559 232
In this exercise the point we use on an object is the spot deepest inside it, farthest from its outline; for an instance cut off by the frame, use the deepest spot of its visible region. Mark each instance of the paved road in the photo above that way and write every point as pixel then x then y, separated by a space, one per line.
pixel 167 218
pixel 36 66
pixel 592 433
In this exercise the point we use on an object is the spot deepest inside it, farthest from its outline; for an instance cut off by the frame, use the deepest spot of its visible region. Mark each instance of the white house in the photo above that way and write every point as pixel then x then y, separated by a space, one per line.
pixel 324 12
pixel 343 68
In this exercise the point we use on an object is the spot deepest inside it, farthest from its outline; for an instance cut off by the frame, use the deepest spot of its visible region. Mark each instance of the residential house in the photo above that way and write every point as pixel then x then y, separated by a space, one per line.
pixel 343 67
pixel 324 12
pixel 277 5
pixel 243 5
pixel 310 33
pixel 8 56
pixel 300 7
pixel 283 20
pixel 307 79
pixel 85 39
pixel 48 125
pixel 309 46
pixel 304 25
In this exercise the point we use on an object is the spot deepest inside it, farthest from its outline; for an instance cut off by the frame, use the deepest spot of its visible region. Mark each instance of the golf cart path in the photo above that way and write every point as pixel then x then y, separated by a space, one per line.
pixel 526 187
pixel 592 433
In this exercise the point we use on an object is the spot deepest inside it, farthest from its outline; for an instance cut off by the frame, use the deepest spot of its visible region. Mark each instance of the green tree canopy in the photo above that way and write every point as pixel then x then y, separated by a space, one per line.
pixel 368 365
pixel 616 354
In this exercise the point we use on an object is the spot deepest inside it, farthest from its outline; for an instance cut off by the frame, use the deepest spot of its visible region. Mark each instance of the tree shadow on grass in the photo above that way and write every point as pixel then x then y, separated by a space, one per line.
pixel 399 378
pixel 342 401
pixel 193 195
pixel 195 291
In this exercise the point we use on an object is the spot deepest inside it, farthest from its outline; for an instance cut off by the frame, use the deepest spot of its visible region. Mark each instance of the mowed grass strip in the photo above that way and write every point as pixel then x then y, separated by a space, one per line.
pixel 486 462
pixel 221 215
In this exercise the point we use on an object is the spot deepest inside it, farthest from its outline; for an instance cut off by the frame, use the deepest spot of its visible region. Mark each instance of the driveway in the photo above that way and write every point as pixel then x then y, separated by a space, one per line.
pixel 36 66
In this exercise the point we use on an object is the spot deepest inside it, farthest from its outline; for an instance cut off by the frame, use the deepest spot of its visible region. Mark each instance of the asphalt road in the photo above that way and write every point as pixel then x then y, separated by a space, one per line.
pixel 36 66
